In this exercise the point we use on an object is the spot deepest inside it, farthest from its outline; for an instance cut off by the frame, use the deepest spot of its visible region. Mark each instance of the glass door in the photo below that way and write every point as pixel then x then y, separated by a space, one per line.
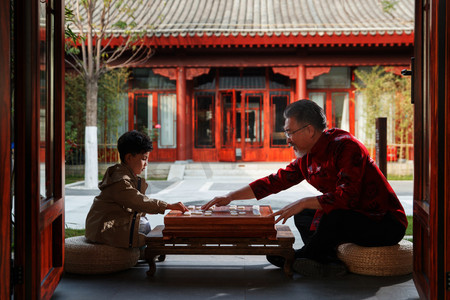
pixel 242 120
pixel 340 111
pixel 253 127
pixel 336 107
pixel 254 120
pixel 204 120
pixel 143 112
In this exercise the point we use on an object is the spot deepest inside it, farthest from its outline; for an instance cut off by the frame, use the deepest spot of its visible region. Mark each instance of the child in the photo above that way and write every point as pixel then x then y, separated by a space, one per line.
pixel 117 215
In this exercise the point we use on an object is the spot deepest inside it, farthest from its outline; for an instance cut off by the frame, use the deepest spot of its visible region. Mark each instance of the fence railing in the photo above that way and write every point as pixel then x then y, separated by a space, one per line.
pixel 399 161
pixel 395 152
pixel 107 153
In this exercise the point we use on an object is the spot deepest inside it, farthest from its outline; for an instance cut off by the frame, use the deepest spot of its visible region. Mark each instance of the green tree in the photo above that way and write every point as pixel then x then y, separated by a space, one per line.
pixel 404 116
pixel 93 22
pixel 386 95
pixel 75 104
pixel 112 87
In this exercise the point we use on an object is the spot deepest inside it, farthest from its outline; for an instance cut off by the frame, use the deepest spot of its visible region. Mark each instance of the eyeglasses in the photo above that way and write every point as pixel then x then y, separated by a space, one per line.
pixel 290 134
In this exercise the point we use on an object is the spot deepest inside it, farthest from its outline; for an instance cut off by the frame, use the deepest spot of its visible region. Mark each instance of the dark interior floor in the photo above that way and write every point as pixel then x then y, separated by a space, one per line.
pixel 228 277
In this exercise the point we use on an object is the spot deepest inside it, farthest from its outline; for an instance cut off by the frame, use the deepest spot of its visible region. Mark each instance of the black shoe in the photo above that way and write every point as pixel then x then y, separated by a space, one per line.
pixel 279 260
pixel 311 268
pixel 276 260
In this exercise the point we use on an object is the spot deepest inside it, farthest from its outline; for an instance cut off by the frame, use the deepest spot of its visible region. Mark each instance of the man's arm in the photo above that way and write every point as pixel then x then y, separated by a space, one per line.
pixel 244 193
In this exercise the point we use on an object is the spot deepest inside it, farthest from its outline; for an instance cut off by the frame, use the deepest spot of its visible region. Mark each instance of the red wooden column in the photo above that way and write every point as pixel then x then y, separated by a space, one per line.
pixel 131 110
pixel 352 111
pixel 181 114
pixel 189 120
pixel 300 90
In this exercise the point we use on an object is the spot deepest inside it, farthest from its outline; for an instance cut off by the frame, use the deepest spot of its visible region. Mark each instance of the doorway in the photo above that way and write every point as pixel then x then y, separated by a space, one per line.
pixel 336 106
pixel 154 113
pixel 241 126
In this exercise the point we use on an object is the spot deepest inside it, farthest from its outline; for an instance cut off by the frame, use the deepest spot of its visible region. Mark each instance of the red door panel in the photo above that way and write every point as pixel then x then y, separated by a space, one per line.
pixel 227 123
pixel 38 148
pixel 431 150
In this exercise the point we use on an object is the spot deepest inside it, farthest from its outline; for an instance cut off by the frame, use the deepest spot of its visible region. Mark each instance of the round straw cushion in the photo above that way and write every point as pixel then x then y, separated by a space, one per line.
pixel 82 257
pixel 378 261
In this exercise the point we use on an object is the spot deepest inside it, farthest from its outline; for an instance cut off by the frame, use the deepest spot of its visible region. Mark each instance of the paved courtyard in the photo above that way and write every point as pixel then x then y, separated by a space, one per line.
pixel 221 277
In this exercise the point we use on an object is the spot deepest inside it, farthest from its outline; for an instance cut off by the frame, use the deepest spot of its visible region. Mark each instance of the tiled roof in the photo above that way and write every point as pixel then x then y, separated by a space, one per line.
pixel 227 18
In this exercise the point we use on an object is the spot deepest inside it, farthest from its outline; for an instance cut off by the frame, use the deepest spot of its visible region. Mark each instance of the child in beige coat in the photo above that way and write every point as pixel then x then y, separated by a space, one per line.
pixel 117 215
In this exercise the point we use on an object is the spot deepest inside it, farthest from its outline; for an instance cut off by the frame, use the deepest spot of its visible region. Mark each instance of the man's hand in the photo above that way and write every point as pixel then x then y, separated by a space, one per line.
pixel 177 206
pixel 295 208
pixel 288 211
pixel 219 201
pixel 241 194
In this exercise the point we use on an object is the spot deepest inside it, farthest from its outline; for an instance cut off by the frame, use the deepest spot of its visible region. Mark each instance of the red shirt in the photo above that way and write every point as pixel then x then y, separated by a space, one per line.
pixel 339 166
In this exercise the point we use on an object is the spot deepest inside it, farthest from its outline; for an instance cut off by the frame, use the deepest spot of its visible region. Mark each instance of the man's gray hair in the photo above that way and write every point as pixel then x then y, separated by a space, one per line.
pixel 307 111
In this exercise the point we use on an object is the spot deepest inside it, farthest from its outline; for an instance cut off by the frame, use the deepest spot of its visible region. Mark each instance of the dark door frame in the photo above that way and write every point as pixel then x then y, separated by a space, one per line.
pixel 39 221
pixel 431 155
pixel 5 150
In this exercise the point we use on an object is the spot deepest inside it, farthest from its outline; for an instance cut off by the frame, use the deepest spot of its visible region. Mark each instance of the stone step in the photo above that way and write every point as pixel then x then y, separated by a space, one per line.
pixel 216 170
pixel 236 166
pixel 226 174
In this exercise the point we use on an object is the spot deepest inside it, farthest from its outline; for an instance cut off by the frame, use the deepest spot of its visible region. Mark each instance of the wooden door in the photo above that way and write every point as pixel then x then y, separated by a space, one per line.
pixel 431 149
pixel 39 147
pixel 140 117
pixel 252 131
pixel 228 126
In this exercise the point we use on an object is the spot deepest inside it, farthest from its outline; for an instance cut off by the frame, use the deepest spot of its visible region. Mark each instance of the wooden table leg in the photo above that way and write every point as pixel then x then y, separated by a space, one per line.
pixel 288 261
pixel 151 265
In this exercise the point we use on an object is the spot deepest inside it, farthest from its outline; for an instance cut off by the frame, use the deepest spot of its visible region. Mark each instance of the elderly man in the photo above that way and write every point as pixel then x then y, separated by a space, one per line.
pixel 357 203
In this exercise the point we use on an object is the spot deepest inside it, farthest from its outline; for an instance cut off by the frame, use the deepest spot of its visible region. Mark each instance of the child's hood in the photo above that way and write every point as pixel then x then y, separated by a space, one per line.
pixel 116 173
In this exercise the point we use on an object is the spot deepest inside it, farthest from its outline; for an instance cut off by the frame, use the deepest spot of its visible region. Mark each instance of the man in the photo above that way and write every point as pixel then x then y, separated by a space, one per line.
pixel 357 204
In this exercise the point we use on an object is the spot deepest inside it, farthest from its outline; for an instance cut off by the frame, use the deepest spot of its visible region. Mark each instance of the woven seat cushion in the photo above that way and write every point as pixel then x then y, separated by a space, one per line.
pixel 82 257
pixel 378 261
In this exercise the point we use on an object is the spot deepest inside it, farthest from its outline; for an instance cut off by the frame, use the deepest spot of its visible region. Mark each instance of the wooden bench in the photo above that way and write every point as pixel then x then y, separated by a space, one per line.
pixel 159 246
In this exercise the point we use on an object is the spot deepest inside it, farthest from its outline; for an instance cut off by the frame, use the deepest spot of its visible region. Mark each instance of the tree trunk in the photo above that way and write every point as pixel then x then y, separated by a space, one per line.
pixel 91 156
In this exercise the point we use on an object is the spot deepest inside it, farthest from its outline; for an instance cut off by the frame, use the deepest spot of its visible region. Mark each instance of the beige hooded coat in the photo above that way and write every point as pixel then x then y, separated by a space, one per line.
pixel 114 215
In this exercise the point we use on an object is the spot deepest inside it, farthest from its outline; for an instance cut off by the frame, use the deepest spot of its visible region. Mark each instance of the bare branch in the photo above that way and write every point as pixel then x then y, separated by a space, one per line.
pixel 98 57
pixel 120 50
pixel 76 68
pixel 84 55
pixel 103 22
pixel 77 60
pixel 139 56
pixel 135 58
pixel 110 39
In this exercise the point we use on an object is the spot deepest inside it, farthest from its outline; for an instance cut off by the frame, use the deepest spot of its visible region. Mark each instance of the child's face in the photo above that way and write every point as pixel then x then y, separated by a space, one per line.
pixel 137 162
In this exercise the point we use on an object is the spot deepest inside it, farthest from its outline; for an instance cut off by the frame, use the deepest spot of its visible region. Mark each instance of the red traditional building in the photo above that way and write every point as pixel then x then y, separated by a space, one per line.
pixel 223 71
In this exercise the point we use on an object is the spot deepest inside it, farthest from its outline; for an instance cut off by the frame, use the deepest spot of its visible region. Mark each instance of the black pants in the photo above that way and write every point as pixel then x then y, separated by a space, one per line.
pixel 344 226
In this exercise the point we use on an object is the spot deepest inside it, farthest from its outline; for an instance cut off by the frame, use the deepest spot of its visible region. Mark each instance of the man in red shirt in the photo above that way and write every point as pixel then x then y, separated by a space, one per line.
pixel 357 204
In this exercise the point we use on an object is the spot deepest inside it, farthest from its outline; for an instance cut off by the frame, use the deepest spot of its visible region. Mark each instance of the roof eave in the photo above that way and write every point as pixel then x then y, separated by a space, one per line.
pixel 334 39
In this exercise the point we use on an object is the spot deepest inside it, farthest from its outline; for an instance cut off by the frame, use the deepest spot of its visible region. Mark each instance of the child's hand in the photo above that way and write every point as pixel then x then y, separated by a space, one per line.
pixel 177 206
